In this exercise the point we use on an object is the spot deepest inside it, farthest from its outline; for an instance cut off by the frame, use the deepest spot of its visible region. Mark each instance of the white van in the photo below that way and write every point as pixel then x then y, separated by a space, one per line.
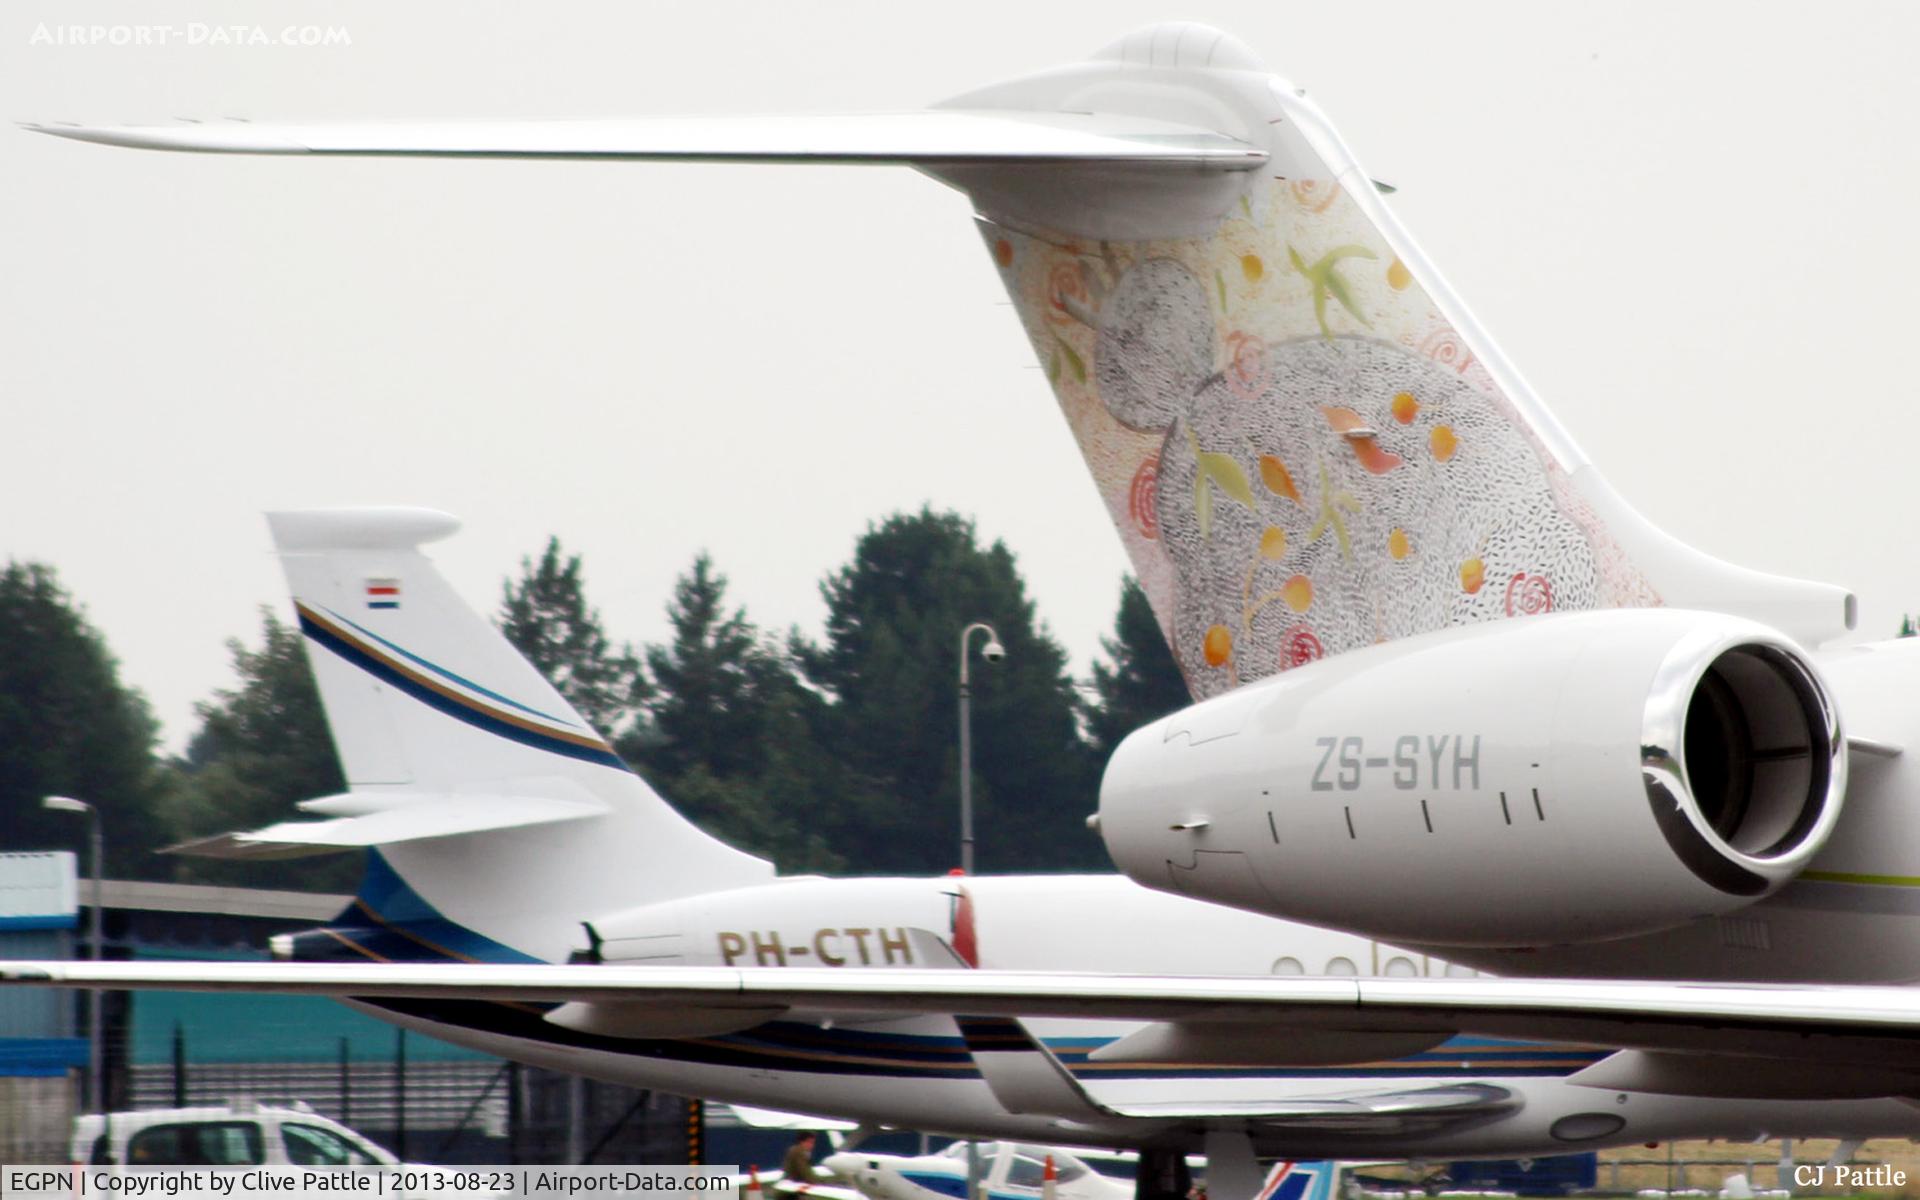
pixel 228 1135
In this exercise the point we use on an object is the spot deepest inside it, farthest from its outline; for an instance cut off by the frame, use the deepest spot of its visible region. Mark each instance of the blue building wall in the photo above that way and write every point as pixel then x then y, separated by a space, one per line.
pixel 33 1012
pixel 240 1028
pixel 38 916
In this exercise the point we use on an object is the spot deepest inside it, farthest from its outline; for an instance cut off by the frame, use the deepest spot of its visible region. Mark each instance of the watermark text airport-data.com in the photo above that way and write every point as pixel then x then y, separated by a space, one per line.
pixel 189 33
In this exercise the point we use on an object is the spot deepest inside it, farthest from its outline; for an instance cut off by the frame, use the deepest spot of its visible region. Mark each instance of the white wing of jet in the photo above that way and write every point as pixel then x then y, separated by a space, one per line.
pixel 946 137
pixel 1864 1028
pixel 361 819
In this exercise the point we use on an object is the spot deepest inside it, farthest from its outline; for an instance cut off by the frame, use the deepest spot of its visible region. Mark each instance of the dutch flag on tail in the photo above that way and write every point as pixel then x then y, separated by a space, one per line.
pixel 383 593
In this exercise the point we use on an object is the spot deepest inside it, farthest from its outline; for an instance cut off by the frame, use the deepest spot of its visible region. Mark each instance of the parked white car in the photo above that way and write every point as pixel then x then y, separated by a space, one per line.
pixel 227 1135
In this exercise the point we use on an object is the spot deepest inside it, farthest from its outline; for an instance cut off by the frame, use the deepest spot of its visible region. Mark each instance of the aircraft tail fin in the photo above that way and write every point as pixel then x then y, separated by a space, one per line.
pixel 420 691
pixel 495 804
pixel 1306 441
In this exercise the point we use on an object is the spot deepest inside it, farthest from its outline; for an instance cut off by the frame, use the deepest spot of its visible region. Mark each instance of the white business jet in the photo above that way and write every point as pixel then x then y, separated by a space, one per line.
pixel 1460 702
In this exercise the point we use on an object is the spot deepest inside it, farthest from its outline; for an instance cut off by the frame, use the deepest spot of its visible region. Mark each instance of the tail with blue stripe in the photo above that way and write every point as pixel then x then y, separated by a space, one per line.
pixel 1289 1180
pixel 501 810
pixel 420 691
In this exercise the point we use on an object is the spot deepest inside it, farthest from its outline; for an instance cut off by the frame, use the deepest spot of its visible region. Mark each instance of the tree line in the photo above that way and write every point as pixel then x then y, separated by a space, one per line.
pixel 831 754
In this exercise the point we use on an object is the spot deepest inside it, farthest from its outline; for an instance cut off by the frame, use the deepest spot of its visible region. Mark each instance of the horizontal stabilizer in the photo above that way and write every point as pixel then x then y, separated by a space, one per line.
pixel 382 819
pixel 947 137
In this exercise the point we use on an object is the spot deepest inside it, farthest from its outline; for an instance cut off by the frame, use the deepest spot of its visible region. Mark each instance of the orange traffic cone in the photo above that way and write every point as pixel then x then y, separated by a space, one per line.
pixel 1049 1181
pixel 753 1190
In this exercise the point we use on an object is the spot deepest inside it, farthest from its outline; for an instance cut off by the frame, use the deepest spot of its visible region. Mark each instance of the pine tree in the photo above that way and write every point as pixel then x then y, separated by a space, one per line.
pixel 711 684
pixel 730 740
pixel 261 749
pixel 68 726
pixel 546 616
pixel 1142 682
pixel 889 667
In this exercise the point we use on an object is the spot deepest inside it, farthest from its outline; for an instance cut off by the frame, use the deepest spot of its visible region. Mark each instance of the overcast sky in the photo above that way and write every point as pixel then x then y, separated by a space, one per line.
pixel 1690 226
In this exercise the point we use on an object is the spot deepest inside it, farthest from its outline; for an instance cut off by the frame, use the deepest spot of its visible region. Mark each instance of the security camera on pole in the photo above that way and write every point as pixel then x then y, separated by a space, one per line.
pixel 993 652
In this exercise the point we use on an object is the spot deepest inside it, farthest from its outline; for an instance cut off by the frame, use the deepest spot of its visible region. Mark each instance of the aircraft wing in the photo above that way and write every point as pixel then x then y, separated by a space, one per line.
pixel 1874 1027
pixel 944 137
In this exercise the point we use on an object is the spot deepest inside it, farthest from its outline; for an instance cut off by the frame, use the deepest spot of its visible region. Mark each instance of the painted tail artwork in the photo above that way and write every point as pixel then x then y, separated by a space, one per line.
pixel 1307 444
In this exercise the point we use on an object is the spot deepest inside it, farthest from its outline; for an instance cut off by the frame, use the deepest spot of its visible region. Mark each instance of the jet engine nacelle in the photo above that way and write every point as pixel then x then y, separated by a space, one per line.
pixel 1552 779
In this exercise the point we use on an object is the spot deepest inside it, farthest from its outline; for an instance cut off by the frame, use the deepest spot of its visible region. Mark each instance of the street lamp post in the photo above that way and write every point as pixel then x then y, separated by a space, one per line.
pixel 992 651
pixel 96 1080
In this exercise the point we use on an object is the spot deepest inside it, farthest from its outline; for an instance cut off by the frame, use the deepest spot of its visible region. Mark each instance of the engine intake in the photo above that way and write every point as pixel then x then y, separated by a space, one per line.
pixel 1741 757
pixel 1543 781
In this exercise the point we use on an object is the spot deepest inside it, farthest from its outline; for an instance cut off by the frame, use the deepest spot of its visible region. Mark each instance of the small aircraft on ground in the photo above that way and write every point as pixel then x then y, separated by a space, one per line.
pixel 1018 1171
pixel 1006 1170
